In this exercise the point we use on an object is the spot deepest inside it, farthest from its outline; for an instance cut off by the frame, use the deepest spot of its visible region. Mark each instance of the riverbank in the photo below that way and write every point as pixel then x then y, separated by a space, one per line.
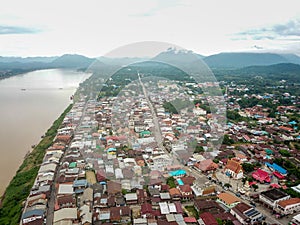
pixel 18 189
pixel 26 115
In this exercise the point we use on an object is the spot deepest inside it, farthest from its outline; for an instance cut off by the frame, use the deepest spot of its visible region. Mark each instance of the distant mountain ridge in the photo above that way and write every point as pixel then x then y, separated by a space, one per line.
pixel 44 59
pixel 280 68
pixel 217 61
pixel 239 60
pixel 72 61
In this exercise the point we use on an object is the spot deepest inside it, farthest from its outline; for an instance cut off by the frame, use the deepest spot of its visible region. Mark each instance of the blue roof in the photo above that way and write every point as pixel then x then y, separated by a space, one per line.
pixel 111 149
pixel 293 122
pixel 35 212
pixel 177 173
pixel 277 168
pixel 180 182
pixel 80 183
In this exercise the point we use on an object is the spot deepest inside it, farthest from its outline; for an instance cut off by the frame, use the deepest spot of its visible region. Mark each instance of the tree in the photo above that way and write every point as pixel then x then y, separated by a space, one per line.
pixel 227 140
pixel 171 182
pixel 227 185
pixel 255 187
pixel 248 167
pixel 199 149
pixel 285 153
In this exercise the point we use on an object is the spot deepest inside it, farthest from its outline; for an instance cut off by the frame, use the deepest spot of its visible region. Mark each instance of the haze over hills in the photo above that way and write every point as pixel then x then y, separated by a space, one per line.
pixel 255 62
pixel 239 60
pixel 71 61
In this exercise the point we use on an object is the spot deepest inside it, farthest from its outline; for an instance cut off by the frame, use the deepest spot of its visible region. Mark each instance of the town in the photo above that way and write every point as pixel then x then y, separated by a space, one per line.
pixel 153 154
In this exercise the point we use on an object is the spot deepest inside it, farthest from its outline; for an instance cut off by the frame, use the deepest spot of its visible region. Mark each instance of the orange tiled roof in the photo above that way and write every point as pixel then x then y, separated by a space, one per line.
pixel 290 201
pixel 233 166
pixel 228 198
pixel 174 191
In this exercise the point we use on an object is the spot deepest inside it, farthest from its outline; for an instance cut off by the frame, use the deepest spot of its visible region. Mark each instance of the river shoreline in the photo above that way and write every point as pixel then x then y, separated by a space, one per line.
pixel 26 115
pixel 19 187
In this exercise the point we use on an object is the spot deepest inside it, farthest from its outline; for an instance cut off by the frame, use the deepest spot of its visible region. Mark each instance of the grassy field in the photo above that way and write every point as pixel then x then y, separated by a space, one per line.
pixel 19 187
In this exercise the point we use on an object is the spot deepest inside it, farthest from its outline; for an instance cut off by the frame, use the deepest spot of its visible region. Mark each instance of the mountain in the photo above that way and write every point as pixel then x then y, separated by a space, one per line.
pixel 123 61
pixel 292 58
pixel 175 55
pixel 71 61
pixel 27 59
pixel 239 60
pixel 281 68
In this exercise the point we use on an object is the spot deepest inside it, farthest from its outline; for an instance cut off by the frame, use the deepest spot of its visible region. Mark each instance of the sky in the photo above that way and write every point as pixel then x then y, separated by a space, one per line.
pixel 95 27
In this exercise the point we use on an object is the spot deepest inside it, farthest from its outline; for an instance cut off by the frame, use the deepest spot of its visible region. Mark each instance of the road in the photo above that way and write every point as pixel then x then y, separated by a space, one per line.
pixel 157 131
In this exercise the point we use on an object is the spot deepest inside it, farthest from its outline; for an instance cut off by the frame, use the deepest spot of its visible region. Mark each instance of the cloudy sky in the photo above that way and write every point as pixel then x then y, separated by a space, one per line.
pixel 94 27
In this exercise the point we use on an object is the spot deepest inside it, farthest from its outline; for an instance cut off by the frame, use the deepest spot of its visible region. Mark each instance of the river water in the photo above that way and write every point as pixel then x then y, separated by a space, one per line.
pixel 29 104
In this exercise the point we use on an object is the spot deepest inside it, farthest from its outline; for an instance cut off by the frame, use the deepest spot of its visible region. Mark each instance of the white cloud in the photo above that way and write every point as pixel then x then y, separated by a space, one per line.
pixel 95 27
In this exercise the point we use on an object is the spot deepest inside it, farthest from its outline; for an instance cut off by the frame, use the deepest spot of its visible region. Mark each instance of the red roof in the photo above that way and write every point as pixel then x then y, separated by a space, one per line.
pixel 190 220
pixel 252 183
pixel 178 207
pixel 185 188
pixel 146 208
pixel 208 218
pixel 275 185
pixel 278 175
pixel 261 176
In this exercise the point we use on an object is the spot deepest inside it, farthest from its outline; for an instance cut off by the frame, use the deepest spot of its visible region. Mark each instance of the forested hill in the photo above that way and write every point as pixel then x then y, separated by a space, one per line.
pixel 239 60
pixel 276 72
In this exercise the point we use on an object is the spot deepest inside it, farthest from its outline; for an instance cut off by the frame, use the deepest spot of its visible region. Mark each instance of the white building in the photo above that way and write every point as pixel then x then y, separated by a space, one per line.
pixel 288 206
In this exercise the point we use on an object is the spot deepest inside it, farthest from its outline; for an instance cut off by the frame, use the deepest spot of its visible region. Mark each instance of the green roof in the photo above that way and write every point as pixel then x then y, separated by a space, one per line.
pixel 145 132
pixel 269 151
pixel 73 165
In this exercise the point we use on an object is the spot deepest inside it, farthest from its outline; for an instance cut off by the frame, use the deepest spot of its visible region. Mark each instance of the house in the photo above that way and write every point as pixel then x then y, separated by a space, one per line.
pixel 190 220
pixel 64 216
pixel 288 206
pixel 66 201
pixel 175 194
pixel 79 186
pixel 226 216
pixel 85 214
pixel 206 165
pixel 277 168
pixel 296 219
pixel 207 218
pixel 186 191
pixel 165 196
pixel 228 200
pixel 113 187
pixel 208 206
pixel 234 169
pixel 188 180
pixel 131 198
pixel 36 215
pixel 161 162
pixel 164 209
pixel 270 198
pixel 246 214
pixel 142 195
pixel 261 176
pixel 65 189
pixel 87 196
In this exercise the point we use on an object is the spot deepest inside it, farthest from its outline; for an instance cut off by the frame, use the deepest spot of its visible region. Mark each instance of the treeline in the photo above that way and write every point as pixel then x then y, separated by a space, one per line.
pixel 20 186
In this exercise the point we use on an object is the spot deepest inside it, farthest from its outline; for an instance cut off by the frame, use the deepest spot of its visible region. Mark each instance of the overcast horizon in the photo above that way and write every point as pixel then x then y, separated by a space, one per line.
pixel 94 28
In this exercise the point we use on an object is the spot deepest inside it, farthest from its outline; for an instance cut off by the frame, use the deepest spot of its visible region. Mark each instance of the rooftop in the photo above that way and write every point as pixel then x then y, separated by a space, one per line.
pixel 274 194
pixel 228 198
pixel 291 201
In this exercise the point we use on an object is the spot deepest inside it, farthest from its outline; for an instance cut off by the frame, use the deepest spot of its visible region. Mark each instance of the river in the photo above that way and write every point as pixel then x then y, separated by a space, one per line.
pixel 29 104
